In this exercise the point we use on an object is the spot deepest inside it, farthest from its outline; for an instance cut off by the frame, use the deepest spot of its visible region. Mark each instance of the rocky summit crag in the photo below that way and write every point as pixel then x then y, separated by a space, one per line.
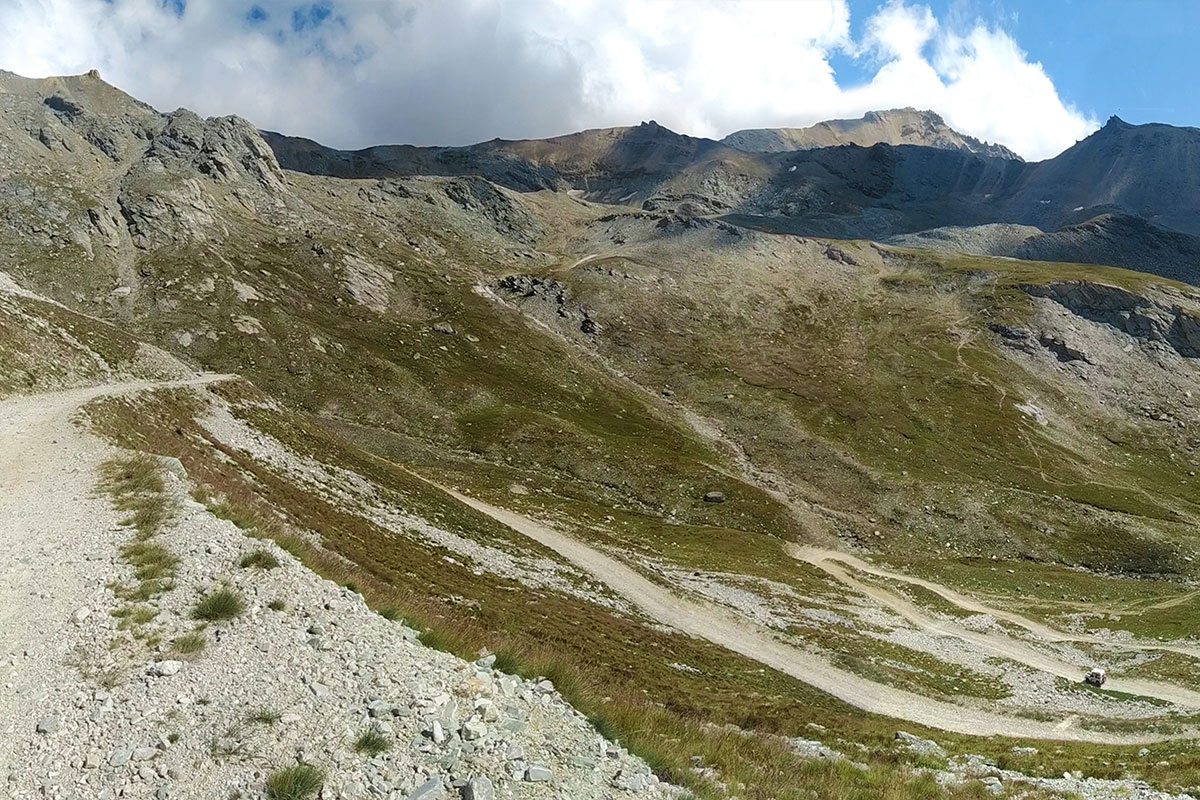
pixel 620 464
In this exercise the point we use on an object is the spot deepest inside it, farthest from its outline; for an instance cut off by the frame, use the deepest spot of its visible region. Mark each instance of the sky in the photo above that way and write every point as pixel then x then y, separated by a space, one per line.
pixel 1035 75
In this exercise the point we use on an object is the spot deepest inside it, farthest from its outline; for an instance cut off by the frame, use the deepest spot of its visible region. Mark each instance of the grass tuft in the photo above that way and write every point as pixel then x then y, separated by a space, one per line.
pixel 133 615
pixel 189 643
pixel 295 783
pixel 259 559
pixel 372 742
pixel 136 485
pixel 264 716
pixel 277 605
pixel 221 604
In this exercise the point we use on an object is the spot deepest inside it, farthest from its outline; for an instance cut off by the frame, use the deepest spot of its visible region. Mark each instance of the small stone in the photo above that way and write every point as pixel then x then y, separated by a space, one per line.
pixel 487 710
pixel 478 789
pixel 536 773
pixel 143 754
pixel 635 782
pixel 437 733
pixel 47 725
pixel 119 757
pixel 444 327
pixel 320 690
pixel 80 615
pixel 714 497
pixel 1024 751
pixel 165 669
pixel 544 686
pixel 91 761
pixel 473 729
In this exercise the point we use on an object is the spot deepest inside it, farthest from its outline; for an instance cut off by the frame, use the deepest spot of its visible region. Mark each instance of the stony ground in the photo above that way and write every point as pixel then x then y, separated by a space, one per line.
pixel 106 708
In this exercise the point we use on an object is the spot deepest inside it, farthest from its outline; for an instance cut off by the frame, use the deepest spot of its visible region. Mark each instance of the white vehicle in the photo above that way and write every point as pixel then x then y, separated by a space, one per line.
pixel 1096 677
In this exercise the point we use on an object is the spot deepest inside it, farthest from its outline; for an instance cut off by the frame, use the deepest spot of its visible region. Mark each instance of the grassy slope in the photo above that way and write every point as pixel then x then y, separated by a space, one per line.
pixel 614 668
pixel 877 389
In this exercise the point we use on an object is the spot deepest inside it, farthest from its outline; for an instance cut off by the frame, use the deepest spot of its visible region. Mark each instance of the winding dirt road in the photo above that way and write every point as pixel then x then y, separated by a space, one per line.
pixel 54 532
pixel 52 527
pixel 722 627
pixel 994 642
pixel 826 559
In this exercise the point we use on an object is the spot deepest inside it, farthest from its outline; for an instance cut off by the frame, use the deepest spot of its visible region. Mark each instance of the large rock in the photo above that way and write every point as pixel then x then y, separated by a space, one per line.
pixel 431 789
pixel 479 789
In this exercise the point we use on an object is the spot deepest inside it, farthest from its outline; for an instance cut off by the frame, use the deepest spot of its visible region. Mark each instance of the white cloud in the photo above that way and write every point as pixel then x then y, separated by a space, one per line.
pixel 456 71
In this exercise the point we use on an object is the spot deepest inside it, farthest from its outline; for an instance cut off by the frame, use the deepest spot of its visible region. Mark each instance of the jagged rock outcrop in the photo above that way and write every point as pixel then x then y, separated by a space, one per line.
pixel 223 148
pixel 1139 316
pixel 548 299
pixel 508 217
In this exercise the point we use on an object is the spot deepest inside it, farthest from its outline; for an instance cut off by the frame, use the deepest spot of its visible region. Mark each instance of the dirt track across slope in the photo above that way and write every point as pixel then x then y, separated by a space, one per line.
pixel 54 531
pixel 822 558
pixel 1000 644
pixel 722 627
pixel 52 525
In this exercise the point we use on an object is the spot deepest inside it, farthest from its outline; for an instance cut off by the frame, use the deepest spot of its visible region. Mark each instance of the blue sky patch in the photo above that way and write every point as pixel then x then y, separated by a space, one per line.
pixel 256 14
pixel 176 6
pixel 310 16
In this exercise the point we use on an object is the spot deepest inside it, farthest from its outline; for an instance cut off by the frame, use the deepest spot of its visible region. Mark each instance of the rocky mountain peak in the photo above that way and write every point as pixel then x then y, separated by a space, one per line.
pixel 895 126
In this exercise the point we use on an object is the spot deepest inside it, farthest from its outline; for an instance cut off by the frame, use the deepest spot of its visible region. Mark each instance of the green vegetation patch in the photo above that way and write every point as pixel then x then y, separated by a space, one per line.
pixel 218 605
pixel 259 559
pixel 295 783
pixel 371 742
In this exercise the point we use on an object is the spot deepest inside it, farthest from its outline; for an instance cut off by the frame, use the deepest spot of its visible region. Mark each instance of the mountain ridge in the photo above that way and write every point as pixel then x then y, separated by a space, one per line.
pixel 851 191
pixel 893 126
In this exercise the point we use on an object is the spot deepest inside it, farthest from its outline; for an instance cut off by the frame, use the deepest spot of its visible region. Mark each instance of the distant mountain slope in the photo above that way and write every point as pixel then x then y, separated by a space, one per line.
pixel 1122 173
pixel 610 164
pixel 1107 239
pixel 1150 171
pixel 895 126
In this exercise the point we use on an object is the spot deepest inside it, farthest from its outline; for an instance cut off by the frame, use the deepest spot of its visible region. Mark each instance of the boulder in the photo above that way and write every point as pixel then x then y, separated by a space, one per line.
pixel 478 789
pixel 431 789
